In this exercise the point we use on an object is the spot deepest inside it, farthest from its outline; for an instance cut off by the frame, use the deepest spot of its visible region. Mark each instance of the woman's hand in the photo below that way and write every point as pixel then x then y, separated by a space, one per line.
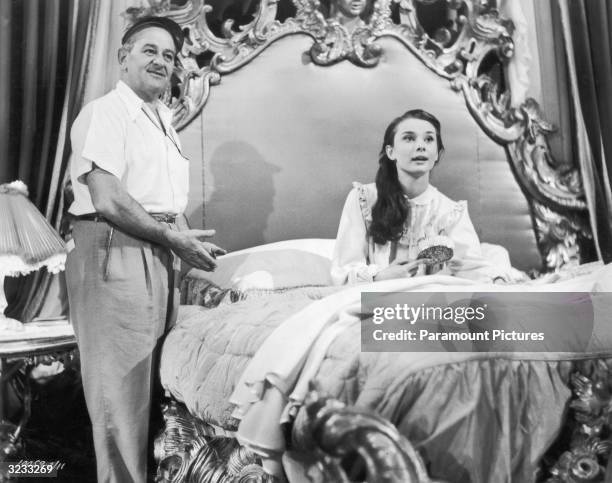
pixel 402 269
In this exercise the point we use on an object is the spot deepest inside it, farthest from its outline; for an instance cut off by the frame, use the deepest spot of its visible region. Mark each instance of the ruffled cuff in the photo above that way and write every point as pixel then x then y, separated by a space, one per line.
pixel 364 274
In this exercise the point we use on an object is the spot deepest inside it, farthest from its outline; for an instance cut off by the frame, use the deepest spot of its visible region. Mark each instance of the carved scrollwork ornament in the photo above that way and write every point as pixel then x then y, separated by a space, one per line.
pixel 548 181
pixel 558 236
pixel 339 436
pixel 189 450
pixel 590 445
pixel 577 466
pixel 476 33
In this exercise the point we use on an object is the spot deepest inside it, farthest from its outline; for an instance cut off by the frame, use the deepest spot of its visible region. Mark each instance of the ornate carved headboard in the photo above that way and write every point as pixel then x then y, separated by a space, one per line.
pixel 281 112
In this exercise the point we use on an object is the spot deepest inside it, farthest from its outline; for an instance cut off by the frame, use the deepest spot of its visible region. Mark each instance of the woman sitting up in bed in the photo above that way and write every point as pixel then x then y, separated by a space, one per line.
pixel 387 226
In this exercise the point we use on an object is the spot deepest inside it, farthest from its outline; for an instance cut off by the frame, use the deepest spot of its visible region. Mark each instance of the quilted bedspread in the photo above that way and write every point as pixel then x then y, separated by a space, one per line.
pixel 208 349
pixel 473 416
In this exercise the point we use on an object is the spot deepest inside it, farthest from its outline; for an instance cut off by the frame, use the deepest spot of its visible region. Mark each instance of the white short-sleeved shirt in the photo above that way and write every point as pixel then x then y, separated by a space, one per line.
pixel 121 135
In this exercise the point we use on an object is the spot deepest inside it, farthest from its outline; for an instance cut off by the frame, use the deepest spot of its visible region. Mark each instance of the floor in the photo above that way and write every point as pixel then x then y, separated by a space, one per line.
pixel 59 429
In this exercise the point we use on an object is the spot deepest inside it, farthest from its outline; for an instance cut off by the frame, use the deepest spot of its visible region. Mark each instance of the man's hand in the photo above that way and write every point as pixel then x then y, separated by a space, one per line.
pixel 401 269
pixel 190 248
pixel 111 200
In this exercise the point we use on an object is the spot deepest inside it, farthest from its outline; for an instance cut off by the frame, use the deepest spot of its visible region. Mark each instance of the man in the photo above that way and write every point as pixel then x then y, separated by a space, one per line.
pixel 130 182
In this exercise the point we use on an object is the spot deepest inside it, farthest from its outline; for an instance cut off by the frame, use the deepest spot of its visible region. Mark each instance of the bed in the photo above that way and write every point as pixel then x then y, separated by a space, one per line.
pixel 282 108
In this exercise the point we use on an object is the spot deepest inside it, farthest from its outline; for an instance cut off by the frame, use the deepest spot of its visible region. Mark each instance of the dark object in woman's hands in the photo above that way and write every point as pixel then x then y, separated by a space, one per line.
pixel 438 249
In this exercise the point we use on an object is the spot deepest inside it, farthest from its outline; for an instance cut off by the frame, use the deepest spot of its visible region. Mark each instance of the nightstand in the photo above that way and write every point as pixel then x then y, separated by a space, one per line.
pixel 41 341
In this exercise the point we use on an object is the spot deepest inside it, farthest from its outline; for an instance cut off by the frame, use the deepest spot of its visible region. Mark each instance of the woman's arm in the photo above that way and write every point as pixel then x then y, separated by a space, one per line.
pixel 464 236
pixel 468 260
pixel 350 258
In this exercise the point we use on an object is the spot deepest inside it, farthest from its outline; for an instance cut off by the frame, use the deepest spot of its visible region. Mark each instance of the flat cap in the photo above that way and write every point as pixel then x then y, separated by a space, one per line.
pixel 165 23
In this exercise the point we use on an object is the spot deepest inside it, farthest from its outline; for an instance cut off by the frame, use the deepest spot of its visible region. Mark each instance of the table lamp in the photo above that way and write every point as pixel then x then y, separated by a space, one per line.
pixel 27 242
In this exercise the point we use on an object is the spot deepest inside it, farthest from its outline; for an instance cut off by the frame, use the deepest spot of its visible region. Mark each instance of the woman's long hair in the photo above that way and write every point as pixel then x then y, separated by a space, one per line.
pixel 391 210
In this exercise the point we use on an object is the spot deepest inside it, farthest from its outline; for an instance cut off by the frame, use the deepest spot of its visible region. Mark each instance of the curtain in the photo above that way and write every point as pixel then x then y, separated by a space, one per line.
pixel 35 51
pixel 587 36
pixel 30 88
pixel 69 50
pixel 42 48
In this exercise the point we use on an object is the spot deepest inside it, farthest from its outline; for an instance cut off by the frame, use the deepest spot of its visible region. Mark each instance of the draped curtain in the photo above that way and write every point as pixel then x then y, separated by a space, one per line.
pixel 587 38
pixel 34 58
pixel 55 56
pixel 40 42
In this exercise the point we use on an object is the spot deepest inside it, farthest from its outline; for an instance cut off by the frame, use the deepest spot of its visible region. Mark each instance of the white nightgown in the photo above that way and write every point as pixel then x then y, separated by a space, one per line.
pixel 358 259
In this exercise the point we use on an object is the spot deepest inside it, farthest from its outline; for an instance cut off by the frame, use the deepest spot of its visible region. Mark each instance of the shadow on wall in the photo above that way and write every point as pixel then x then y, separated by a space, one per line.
pixel 242 197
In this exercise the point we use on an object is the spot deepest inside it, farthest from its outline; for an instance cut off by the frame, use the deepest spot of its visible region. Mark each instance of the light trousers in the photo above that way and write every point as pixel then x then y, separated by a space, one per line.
pixel 123 295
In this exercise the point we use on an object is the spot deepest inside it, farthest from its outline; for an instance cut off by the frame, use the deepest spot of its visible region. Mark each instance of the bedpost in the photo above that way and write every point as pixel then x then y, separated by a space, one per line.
pixel 584 448
pixel 189 450
pixel 349 443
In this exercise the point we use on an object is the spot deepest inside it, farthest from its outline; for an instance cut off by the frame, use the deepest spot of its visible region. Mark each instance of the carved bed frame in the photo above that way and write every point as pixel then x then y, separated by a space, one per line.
pixel 346 444
pixel 466 53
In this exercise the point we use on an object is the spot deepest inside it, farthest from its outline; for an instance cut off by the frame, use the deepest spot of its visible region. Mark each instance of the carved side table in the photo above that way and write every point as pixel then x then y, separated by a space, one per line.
pixel 41 341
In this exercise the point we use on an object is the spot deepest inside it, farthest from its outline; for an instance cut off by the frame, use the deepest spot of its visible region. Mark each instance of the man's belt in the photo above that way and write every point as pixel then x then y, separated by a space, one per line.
pixel 163 217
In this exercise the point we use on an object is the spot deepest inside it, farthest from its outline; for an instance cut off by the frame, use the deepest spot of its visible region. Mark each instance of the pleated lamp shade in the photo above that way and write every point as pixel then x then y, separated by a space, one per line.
pixel 27 241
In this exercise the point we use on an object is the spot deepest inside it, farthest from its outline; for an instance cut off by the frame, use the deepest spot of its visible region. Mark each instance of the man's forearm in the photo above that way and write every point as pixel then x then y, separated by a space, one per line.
pixel 129 215
pixel 112 201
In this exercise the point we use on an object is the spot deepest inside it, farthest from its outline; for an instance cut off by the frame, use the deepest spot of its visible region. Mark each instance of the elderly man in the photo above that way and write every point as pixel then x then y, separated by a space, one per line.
pixel 130 182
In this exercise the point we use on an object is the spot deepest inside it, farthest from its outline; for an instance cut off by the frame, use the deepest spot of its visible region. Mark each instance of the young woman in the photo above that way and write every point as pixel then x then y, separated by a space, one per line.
pixel 384 225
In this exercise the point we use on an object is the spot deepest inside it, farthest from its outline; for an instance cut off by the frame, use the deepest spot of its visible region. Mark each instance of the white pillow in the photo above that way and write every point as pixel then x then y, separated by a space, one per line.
pixel 323 247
